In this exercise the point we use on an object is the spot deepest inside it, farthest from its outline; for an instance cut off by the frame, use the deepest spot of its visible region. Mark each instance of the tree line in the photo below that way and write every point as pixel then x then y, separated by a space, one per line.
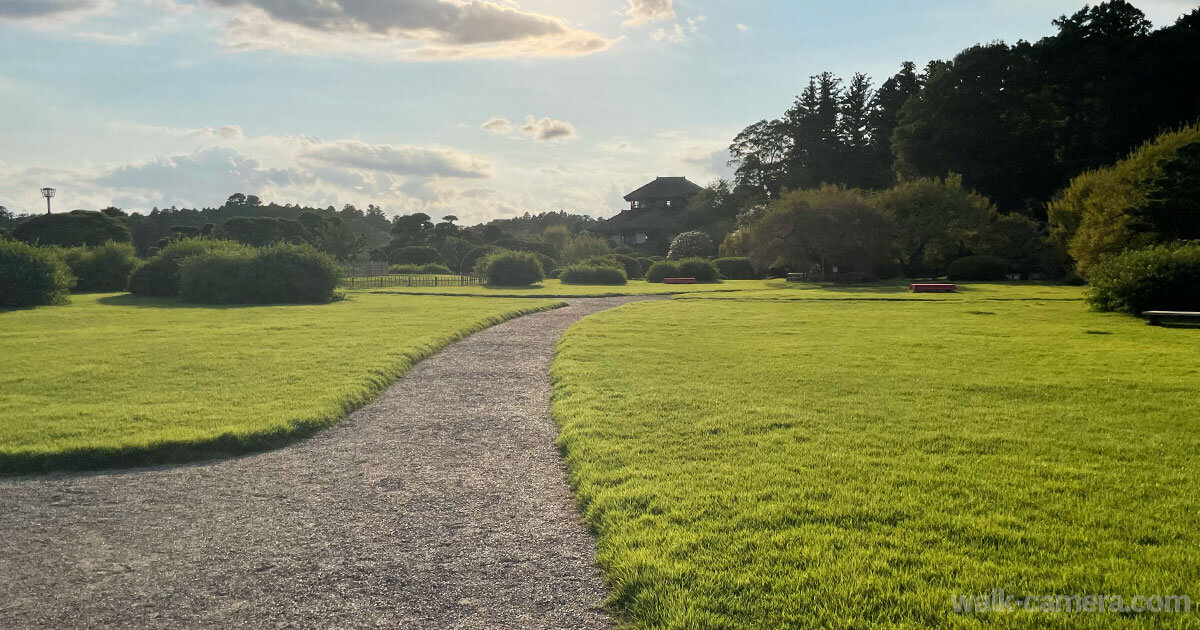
pixel 1017 122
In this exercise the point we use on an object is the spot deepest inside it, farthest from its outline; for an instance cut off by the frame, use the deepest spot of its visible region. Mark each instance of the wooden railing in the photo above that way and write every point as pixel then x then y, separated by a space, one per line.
pixel 391 281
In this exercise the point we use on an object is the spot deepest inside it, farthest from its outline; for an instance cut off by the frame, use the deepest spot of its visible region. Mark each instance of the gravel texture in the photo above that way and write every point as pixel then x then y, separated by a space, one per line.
pixel 443 504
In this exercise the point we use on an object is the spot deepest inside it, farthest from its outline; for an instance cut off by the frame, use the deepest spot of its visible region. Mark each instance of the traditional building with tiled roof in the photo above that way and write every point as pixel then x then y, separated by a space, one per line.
pixel 653 211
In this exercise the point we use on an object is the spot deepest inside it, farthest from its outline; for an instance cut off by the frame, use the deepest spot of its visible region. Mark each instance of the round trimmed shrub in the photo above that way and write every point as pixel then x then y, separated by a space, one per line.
pixel 978 268
pixel 436 269
pixel 593 274
pixel 738 268
pixel 217 277
pixel 663 269
pixel 510 269
pixel 699 268
pixel 105 267
pixel 623 249
pixel 160 275
pixel 32 276
pixel 690 245
pixel 1165 277
pixel 72 229
pixel 632 267
pixel 288 274
pixel 645 262
pixel 414 255
pixel 554 273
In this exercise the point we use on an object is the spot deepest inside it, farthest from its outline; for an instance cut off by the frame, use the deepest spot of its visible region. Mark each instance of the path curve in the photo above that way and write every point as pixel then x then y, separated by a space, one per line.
pixel 442 504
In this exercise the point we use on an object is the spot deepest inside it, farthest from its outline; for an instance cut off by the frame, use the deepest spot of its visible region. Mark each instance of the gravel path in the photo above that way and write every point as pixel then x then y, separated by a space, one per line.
pixel 443 504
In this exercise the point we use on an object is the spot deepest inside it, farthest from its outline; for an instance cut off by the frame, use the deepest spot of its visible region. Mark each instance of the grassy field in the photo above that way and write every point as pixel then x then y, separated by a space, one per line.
pixel 556 289
pixel 114 379
pixel 840 463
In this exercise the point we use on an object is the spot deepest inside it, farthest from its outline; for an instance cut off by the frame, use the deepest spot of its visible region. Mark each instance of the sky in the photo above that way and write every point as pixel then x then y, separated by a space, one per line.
pixel 482 109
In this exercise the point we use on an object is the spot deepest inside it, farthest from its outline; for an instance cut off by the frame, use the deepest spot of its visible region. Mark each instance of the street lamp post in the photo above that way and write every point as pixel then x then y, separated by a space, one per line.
pixel 47 193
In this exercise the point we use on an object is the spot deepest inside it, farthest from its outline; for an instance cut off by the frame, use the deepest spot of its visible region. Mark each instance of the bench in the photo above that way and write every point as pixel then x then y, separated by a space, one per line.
pixel 932 287
pixel 679 281
pixel 1156 318
pixel 795 277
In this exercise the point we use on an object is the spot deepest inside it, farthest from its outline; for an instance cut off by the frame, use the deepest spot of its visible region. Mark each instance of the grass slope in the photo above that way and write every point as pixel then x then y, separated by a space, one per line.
pixel 114 379
pixel 556 289
pixel 849 464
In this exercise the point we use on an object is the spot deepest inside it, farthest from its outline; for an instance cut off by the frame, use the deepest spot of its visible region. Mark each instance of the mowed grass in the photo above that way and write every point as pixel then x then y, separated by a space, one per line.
pixel 113 379
pixel 856 464
pixel 892 290
pixel 556 289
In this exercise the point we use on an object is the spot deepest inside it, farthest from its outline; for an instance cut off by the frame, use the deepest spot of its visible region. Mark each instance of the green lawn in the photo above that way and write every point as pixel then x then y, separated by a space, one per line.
pixel 556 289
pixel 114 379
pixel 835 463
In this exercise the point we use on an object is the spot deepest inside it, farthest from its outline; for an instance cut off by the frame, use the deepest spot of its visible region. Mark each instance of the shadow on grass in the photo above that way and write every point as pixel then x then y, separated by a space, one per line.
pixel 138 301
pixel 97 460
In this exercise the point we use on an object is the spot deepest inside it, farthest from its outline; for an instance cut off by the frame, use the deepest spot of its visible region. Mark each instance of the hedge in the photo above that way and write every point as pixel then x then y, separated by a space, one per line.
pixel 593 274
pixel 426 269
pixel 160 275
pixel 278 274
pixel 105 267
pixel 662 269
pixel 1164 277
pixel 32 276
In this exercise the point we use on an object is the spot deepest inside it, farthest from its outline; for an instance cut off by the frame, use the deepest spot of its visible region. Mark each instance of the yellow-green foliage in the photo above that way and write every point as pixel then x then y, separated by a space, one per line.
pixel 856 459
pixel 556 288
pixel 114 379
pixel 1090 219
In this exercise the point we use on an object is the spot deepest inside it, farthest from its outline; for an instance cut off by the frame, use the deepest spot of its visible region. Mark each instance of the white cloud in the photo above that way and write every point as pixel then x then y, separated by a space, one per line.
pixel 645 11
pixel 496 125
pixel 403 29
pixel 548 129
pixel 110 39
pixel 399 160
pixel 680 33
pixel 742 27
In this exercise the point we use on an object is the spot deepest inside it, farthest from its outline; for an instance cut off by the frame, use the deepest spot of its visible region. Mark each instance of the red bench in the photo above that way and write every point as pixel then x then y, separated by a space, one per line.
pixel 679 281
pixel 932 287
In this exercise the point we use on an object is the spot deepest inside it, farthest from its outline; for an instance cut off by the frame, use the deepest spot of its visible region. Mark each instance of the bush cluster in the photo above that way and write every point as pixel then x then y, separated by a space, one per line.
pixel 105 267
pixel 662 269
pixel 555 273
pixel 593 274
pixel 510 268
pixel 645 264
pixel 425 269
pixel 735 268
pixel 632 267
pixel 1164 277
pixel 978 268
pixel 278 274
pixel 699 268
pixel 72 229
pixel 32 276
pixel 160 275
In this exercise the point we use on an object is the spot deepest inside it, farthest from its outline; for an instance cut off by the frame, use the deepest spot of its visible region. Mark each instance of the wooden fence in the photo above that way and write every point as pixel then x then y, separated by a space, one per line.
pixel 380 282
